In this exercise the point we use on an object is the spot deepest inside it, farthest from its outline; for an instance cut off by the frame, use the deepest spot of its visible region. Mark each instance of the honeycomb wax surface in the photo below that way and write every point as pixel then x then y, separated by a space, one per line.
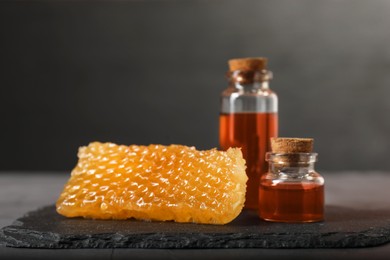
pixel 155 182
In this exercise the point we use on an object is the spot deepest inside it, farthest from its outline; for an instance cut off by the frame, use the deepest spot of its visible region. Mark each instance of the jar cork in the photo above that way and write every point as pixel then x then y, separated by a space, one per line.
pixel 291 145
pixel 292 150
pixel 247 64
pixel 249 70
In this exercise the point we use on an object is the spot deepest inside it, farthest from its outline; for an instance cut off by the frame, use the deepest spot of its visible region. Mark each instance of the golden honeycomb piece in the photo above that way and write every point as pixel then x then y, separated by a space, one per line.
pixel 155 182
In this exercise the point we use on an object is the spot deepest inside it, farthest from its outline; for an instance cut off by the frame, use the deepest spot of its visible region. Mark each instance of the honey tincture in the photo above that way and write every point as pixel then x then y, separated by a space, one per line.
pixel 249 118
pixel 291 190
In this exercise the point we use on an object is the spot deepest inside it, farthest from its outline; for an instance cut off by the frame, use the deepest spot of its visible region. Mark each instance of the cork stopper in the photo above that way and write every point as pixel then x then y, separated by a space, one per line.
pixel 248 64
pixel 292 145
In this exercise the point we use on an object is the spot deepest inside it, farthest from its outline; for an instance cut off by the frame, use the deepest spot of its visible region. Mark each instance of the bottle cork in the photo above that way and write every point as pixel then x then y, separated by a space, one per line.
pixel 291 145
pixel 248 64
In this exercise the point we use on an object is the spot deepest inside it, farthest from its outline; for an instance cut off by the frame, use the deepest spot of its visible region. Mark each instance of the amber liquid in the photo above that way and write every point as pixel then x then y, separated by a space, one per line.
pixel 251 132
pixel 291 202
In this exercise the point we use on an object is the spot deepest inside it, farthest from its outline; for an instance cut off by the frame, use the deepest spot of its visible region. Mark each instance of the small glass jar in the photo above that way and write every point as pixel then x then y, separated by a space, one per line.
pixel 291 190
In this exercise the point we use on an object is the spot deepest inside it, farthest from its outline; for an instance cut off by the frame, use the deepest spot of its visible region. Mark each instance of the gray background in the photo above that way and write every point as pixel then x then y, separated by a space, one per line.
pixel 146 72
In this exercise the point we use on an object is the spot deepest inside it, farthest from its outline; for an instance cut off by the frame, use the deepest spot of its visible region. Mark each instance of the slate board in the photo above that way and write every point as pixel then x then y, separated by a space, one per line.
pixel 343 228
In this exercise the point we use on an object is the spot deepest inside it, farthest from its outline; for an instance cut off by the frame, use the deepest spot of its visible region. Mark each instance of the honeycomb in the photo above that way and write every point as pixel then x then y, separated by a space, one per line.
pixel 155 182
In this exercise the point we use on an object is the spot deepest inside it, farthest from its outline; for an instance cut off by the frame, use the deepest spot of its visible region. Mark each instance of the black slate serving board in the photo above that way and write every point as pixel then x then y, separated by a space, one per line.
pixel 343 228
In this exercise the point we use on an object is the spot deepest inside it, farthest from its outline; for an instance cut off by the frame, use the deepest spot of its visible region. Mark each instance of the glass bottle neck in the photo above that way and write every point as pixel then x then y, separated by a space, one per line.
pixel 291 164
pixel 252 86
pixel 249 80
pixel 292 169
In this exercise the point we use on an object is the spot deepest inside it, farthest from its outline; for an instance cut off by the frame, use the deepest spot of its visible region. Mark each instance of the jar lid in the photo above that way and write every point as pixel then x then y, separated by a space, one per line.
pixel 291 145
pixel 248 64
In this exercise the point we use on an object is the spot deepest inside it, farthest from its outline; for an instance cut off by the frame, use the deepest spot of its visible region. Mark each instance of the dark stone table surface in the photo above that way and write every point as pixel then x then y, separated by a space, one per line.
pixel 357 192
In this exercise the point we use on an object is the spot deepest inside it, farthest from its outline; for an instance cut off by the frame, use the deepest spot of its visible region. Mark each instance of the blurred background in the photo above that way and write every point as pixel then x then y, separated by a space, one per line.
pixel 142 72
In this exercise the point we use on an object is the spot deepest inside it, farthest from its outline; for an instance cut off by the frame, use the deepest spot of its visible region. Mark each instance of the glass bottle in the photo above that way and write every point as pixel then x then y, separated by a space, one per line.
pixel 291 191
pixel 249 117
